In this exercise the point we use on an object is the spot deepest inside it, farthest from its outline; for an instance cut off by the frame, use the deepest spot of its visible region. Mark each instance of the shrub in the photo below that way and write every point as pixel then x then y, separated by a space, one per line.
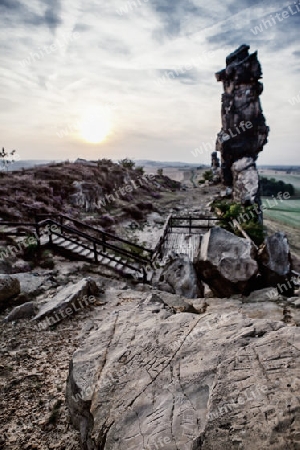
pixel 140 170
pixel 127 163
pixel 208 175
pixel 227 212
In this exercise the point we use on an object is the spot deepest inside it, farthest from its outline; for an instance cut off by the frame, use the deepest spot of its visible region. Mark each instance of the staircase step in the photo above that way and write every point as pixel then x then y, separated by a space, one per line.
pixel 58 240
pixel 71 246
pixel 85 252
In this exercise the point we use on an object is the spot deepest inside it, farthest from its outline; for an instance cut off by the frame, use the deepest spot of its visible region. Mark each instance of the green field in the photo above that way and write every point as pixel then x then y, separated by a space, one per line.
pixel 286 212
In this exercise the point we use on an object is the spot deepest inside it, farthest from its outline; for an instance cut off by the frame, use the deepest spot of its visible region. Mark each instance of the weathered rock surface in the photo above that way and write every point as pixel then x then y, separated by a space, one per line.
pixel 9 288
pixel 245 181
pixel 179 277
pixel 32 284
pixel 25 311
pixel 147 378
pixel 175 302
pixel 226 263
pixel 69 300
pixel 275 262
pixel 244 131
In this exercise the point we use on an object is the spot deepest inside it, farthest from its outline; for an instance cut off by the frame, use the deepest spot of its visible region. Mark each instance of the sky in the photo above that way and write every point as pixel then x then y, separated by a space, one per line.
pixel 114 79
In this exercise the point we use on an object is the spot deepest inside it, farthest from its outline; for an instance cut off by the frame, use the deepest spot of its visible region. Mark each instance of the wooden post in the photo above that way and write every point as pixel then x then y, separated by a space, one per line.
pixel 103 242
pixel 190 224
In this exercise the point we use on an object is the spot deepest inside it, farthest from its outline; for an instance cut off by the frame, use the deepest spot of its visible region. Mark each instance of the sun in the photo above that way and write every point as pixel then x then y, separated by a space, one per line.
pixel 95 125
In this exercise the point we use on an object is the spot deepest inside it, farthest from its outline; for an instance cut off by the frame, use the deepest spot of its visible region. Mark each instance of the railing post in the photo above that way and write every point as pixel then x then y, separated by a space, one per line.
pixel 190 224
pixel 104 241
pixel 61 224
pixel 95 252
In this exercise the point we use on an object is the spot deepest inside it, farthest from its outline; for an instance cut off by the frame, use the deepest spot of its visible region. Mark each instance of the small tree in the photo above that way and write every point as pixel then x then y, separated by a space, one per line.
pixel 7 158
pixel 127 163
pixel 140 170
pixel 208 175
pixel 160 172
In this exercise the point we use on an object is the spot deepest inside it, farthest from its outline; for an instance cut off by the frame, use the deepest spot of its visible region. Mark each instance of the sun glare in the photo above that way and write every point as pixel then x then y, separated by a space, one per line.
pixel 95 125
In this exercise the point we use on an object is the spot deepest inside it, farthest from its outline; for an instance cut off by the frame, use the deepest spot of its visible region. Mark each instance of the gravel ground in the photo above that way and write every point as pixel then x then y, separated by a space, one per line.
pixel 33 372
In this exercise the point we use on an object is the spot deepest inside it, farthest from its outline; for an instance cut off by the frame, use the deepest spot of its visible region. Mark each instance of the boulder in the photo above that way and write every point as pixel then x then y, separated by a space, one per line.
pixel 25 311
pixel 9 288
pixel 245 181
pixel 179 274
pixel 33 284
pixel 275 263
pixel 226 263
pixel 150 379
pixel 68 301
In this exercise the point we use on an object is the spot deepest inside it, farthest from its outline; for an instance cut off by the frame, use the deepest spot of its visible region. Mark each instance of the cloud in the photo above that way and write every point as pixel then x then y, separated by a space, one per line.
pixel 180 75
pixel 119 61
pixel 174 15
pixel 17 13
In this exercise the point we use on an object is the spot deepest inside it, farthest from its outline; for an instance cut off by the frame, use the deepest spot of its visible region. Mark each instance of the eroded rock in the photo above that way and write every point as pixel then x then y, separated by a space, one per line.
pixel 148 378
pixel 245 181
pixel 25 311
pixel 275 263
pixel 226 263
pixel 69 300
pixel 179 277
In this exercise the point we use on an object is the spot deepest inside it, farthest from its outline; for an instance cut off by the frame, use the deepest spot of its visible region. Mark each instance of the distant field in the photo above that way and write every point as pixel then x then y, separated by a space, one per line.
pixel 286 212
pixel 292 179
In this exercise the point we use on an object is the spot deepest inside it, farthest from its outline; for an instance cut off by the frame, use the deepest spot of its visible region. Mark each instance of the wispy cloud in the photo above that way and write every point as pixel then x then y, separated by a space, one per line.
pixel 118 59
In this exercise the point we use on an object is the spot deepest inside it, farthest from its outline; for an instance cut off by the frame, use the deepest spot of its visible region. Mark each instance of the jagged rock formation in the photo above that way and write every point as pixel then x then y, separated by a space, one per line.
pixel 215 166
pixel 148 378
pixel 244 131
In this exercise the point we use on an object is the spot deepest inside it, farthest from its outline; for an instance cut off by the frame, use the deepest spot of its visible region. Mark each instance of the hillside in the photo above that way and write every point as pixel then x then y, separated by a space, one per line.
pixel 102 194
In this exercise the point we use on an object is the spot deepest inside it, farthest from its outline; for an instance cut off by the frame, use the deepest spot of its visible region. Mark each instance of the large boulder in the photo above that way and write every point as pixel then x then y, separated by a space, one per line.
pixel 9 289
pixel 67 302
pixel 226 263
pixel 245 181
pixel 275 263
pixel 149 379
pixel 179 277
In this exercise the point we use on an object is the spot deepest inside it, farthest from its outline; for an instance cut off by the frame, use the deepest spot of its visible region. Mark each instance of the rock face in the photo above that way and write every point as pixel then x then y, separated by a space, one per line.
pixel 179 277
pixel 226 263
pixel 245 181
pixel 9 288
pixel 68 301
pixel 244 131
pixel 149 379
pixel 275 261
